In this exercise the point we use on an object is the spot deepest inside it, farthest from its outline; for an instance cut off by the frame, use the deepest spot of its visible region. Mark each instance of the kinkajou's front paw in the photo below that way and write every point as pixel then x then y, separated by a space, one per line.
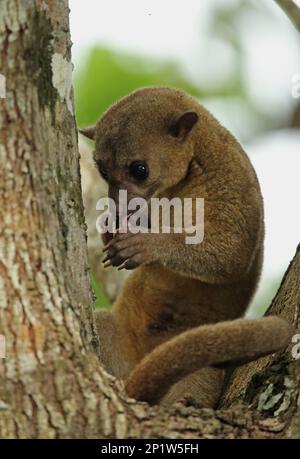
pixel 130 250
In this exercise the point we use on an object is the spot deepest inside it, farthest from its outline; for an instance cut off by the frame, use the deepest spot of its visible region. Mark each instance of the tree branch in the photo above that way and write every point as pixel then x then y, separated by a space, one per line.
pixel 291 10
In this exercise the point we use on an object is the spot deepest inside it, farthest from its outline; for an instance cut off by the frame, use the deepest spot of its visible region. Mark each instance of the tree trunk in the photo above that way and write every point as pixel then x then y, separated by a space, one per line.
pixel 51 384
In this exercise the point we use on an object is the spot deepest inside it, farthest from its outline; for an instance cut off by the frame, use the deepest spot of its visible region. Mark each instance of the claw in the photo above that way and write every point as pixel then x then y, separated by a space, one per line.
pixel 122 266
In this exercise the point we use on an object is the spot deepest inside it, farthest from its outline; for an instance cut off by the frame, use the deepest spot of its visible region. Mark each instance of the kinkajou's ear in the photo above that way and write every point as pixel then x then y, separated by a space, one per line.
pixel 182 124
pixel 88 132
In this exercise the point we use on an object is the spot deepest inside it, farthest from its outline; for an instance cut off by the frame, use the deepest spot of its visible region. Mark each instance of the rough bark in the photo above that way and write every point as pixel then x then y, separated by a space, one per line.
pixel 51 385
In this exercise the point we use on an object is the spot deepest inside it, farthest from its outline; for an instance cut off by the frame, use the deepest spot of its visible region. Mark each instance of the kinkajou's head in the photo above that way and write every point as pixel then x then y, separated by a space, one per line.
pixel 144 143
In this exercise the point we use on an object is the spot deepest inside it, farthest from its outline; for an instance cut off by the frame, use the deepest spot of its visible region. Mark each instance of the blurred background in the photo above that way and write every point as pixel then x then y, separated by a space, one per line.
pixel 239 58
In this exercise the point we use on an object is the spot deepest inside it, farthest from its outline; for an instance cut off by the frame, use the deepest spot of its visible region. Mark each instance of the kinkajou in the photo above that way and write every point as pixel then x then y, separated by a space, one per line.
pixel 173 326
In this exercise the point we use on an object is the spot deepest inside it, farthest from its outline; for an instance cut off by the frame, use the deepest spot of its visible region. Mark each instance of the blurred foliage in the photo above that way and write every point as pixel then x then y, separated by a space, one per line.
pixel 109 75
pixel 225 25
pixel 101 299
pixel 264 298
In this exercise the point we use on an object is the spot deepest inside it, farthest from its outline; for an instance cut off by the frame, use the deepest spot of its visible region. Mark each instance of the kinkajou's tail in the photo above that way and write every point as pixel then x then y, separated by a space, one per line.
pixel 236 341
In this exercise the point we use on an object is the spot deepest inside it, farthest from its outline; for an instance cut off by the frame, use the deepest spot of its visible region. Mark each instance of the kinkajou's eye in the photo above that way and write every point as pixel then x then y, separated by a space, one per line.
pixel 139 170
pixel 102 170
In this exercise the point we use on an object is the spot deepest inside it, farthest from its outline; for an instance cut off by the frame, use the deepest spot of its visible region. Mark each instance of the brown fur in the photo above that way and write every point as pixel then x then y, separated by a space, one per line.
pixel 176 287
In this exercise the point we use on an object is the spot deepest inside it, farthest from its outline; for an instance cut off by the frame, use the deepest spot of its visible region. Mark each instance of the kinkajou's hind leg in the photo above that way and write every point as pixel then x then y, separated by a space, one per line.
pixel 202 388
